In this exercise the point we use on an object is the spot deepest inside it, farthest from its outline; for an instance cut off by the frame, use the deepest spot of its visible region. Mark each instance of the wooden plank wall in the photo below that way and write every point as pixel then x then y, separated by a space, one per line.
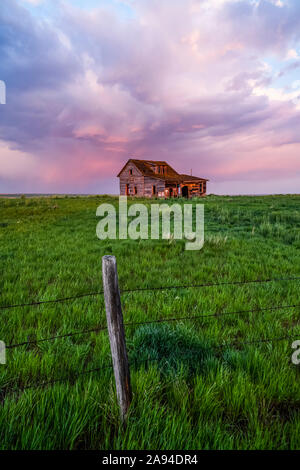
pixel 134 180
pixel 143 184
pixel 149 182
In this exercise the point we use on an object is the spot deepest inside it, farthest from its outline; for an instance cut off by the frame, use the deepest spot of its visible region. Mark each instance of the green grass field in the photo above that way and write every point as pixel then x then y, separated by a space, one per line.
pixel 191 394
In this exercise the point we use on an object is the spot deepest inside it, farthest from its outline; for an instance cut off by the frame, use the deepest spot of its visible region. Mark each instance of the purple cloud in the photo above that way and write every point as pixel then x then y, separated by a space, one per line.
pixel 183 82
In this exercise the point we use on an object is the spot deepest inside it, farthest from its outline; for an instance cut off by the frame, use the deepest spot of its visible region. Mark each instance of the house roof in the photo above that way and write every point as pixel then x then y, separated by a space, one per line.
pixel 190 178
pixel 170 175
pixel 145 168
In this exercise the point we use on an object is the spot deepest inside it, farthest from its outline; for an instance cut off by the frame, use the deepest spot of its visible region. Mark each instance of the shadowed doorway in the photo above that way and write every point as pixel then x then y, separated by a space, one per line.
pixel 185 191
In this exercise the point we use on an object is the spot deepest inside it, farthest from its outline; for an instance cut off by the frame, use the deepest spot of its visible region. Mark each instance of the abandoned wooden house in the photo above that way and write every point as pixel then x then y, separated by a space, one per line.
pixel 151 178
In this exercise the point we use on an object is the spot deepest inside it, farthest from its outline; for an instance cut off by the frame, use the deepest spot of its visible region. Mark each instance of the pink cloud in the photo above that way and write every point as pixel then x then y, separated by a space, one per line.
pixel 195 92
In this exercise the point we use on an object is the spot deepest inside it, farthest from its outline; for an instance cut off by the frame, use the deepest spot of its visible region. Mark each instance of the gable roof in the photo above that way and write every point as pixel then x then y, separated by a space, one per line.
pixel 146 168
pixel 170 176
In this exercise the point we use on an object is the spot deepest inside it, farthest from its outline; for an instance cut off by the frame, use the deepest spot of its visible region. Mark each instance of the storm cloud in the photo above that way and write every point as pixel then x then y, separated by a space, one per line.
pixel 196 83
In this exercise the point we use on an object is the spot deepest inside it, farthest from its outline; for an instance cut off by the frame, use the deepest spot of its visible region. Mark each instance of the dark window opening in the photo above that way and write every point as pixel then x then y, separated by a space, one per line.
pixel 135 190
pixel 127 190
pixel 185 191
pixel 130 171
pixel 153 190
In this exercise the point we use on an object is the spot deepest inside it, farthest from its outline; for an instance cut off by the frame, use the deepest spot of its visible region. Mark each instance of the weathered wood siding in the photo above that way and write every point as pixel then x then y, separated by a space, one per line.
pixel 144 184
pixel 195 189
pixel 134 180
pixel 148 187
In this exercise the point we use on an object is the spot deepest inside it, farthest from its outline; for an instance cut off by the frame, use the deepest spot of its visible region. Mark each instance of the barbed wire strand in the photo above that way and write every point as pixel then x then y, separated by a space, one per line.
pixel 161 320
pixel 59 379
pixel 209 284
pixel 50 301
pixel 52 338
pixel 197 317
pixel 98 369
pixel 258 341
pixel 144 289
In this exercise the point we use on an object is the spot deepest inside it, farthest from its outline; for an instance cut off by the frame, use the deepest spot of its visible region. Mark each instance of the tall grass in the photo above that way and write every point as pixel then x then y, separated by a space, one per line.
pixel 188 393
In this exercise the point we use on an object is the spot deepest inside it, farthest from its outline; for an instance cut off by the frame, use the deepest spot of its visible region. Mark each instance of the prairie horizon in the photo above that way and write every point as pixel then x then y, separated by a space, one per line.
pixel 31 195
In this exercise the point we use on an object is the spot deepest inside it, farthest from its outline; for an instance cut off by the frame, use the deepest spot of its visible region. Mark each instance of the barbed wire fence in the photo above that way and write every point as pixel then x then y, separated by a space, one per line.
pixel 120 368
pixel 155 288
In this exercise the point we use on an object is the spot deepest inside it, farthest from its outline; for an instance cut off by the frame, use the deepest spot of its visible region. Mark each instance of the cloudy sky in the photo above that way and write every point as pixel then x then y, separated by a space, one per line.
pixel 208 85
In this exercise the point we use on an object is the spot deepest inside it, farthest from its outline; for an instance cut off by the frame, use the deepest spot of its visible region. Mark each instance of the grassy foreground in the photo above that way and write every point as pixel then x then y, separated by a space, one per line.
pixel 195 396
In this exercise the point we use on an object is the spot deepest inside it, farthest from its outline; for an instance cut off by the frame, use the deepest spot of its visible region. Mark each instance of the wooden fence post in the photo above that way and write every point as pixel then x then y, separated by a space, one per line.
pixel 116 333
